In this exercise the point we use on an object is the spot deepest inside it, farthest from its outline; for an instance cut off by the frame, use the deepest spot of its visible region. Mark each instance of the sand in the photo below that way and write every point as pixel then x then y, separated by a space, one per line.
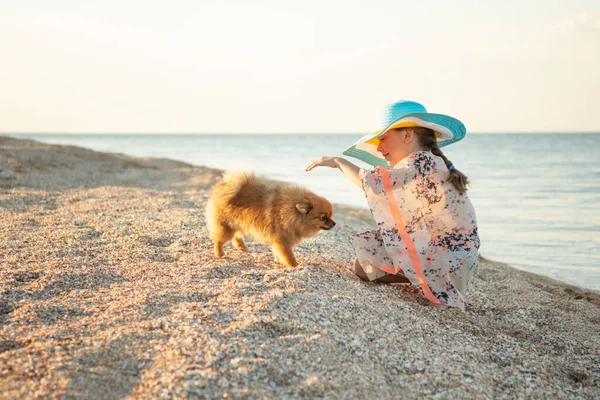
pixel 109 289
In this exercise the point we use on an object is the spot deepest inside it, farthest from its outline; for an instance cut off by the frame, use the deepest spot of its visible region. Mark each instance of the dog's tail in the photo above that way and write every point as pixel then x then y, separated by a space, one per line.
pixel 223 192
pixel 229 186
pixel 232 183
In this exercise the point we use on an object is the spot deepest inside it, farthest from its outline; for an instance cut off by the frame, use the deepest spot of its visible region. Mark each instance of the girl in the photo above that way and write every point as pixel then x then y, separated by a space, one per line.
pixel 426 225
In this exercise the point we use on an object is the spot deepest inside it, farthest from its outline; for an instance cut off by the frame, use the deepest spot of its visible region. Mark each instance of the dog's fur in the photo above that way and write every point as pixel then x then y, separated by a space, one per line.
pixel 274 214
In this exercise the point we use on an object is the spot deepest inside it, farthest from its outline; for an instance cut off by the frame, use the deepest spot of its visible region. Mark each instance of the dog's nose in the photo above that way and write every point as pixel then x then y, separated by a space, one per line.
pixel 332 224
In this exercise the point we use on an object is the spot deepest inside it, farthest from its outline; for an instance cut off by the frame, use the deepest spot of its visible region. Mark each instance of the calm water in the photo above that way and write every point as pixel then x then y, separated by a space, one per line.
pixel 537 196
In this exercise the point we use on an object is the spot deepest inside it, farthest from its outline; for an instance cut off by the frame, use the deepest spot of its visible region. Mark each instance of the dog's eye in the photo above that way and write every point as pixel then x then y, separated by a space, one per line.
pixel 324 218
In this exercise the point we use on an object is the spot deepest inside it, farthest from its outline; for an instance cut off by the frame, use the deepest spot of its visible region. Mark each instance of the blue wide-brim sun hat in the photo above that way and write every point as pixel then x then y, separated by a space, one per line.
pixel 404 114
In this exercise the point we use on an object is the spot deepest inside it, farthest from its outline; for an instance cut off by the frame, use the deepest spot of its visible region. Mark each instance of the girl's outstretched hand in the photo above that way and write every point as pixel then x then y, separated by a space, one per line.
pixel 349 169
pixel 323 162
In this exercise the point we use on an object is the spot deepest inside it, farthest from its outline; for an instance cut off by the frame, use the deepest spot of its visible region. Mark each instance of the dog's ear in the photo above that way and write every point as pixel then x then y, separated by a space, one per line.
pixel 304 208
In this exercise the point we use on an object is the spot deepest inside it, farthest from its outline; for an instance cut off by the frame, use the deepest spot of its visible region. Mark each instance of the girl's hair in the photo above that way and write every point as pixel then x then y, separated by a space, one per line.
pixel 428 142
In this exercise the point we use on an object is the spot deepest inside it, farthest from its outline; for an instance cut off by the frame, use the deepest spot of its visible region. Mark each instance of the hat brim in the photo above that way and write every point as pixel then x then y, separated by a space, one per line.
pixel 447 130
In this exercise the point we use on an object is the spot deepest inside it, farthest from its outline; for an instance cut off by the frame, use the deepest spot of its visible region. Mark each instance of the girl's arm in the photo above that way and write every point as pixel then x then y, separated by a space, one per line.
pixel 349 169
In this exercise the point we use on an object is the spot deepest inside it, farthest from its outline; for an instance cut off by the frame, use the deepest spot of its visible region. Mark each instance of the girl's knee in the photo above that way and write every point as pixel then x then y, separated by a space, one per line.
pixel 359 271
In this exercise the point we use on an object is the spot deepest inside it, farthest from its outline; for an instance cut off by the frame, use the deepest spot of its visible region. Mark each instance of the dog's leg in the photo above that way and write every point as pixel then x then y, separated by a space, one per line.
pixel 284 255
pixel 239 243
pixel 220 236
pixel 219 252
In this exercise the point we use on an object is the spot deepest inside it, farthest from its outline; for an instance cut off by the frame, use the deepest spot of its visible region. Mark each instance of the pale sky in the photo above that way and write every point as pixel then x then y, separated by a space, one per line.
pixel 309 66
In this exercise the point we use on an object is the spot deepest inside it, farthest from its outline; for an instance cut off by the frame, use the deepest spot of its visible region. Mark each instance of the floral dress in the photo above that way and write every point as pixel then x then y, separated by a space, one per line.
pixel 426 229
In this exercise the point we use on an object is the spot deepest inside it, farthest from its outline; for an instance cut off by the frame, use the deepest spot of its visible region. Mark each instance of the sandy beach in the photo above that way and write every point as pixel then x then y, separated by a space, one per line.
pixel 109 289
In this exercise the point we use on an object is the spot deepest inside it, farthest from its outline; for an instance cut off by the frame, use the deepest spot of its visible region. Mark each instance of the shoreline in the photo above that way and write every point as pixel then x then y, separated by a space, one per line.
pixel 523 253
pixel 109 288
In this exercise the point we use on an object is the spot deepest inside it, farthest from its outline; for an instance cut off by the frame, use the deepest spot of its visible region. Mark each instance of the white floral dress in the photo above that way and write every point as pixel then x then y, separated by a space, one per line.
pixel 426 229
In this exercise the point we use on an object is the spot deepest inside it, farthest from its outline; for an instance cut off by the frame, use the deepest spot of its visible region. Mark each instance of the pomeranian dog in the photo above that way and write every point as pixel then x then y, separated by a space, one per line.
pixel 274 214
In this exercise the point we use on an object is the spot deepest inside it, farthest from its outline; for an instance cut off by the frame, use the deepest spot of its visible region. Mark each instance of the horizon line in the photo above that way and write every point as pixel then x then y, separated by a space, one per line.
pixel 279 133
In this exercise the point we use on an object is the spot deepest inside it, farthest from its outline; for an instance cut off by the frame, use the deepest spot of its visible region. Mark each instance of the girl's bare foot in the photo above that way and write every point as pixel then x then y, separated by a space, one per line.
pixel 399 278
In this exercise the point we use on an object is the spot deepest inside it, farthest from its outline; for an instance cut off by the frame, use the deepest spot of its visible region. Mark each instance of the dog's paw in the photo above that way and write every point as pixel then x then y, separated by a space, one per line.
pixel 290 264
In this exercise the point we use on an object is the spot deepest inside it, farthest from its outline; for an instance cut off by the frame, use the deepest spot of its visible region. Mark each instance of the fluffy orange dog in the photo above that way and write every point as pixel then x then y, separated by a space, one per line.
pixel 274 214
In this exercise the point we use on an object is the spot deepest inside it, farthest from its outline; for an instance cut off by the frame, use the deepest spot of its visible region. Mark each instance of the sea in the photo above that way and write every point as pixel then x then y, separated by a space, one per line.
pixel 537 196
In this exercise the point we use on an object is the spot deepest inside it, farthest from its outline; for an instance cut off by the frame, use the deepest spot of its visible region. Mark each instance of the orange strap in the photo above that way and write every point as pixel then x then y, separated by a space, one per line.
pixel 412 251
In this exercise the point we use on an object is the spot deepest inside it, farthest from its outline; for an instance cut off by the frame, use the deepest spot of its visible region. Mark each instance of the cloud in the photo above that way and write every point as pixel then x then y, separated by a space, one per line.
pixel 585 22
